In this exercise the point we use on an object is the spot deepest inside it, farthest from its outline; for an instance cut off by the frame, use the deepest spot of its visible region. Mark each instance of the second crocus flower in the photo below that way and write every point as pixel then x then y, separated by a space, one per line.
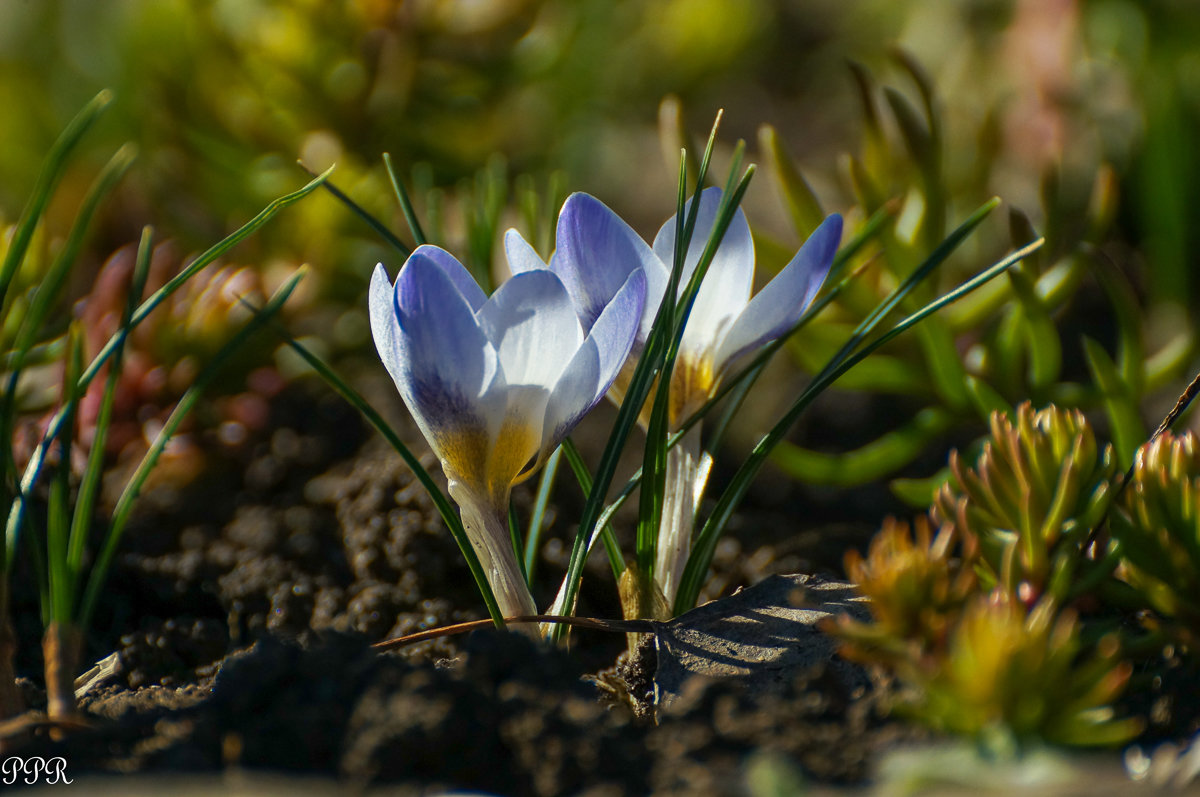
pixel 596 253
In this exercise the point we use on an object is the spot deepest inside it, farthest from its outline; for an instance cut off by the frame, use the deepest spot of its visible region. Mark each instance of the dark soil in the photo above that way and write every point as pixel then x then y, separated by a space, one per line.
pixel 243 605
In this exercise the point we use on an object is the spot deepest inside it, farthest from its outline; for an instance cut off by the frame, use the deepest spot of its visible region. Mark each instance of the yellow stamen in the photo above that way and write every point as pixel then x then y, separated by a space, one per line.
pixel 489 467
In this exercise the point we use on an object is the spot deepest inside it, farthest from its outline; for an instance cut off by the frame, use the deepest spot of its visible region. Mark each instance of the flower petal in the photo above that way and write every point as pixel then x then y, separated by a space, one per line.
pixel 727 285
pixel 594 367
pixel 779 305
pixel 521 256
pixel 532 324
pixel 596 253
pixel 459 409
pixel 381 307
pixel 457 273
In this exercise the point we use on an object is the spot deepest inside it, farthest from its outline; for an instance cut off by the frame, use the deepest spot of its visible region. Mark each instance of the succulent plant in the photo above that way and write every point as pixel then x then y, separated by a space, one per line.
pixel 1032 498
pixel 917 583
pixel 971 617
pixel 1156 522
pixel 1022 672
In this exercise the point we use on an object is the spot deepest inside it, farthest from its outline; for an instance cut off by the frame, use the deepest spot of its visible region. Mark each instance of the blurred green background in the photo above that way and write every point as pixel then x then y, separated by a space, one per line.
pixel 1046 103
pixel 222 97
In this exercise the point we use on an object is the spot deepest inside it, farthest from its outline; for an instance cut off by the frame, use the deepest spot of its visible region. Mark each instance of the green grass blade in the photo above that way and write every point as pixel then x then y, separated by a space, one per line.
pixel 650 499
pixel 358 210
pixel 47 294
pixel 537 520
pixel 683 234
pixel 61 579
pixel 90 483
pixel 935 259
pixel 18 509
pixel 1040 332
pixel 514 533
pixel 444 507
pixel 134 486
pixel 579 468
pixel 45 297
pixel 406 206
pixel 706 540
pixel 52 169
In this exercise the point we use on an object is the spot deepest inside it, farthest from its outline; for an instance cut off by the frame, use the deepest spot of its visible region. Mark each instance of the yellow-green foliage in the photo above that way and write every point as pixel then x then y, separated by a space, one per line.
pixel 917 585
pixel 1024 672
pixel 971 617
pixel 1032 497
pixel 1157 525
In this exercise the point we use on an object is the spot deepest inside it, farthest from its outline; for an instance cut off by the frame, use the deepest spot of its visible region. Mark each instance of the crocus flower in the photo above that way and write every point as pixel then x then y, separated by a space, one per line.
pixel 596 253
pixel 496 383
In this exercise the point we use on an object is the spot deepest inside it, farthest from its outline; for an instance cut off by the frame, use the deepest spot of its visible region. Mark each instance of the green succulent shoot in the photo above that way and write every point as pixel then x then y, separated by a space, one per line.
pixel 1031 499
pixel 1023 673
pixel 917 585
pixel 1157 525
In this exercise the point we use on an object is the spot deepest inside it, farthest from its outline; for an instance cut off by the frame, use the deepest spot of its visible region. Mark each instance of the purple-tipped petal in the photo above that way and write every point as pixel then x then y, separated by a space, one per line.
pixel 457 273
pixel 448 372
pixel 521 256
pixel 779 305
pixel 597 363
pixel 532 324
pixel 596 253
pixel 730 278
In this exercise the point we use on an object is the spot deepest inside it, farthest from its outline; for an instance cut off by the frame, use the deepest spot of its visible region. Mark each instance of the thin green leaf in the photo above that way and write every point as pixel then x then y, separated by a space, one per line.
pixel 187 402
pixel 48 177
pixel 1041 334
pixel 410 215
pixel 1131 351
pixel 358 210
pixel 674 138
pixel 799 198
pixel 868 463
pixel 945 369
pixel 1127 428
pixel 58 513
pixel 1171 361
pixel 654 457
pixel 514 533
pixel 985 398
pixel 919 493
pixel 913 128
pixel 94 470
pixel 1020 228
pixel 51 285
pixel 537 520
pixel 18 509
pixel 656 435
pixel 607 536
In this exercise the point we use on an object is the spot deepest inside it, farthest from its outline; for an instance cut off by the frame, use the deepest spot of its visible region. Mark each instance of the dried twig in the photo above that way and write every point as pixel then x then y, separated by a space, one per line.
pixel 613 626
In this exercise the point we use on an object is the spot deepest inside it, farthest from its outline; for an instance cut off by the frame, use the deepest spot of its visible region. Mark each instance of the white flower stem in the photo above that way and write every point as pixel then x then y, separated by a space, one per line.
pixel 685 480
pixel 487 528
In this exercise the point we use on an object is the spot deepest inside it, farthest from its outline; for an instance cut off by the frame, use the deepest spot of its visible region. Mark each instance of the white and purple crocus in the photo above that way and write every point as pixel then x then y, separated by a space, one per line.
pixel 596 254
pixel 495 384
